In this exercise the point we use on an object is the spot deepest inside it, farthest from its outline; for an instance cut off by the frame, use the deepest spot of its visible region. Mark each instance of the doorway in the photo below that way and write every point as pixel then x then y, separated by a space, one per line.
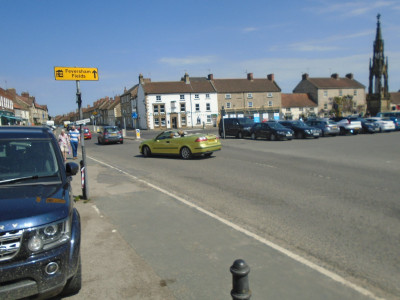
pixel 174 121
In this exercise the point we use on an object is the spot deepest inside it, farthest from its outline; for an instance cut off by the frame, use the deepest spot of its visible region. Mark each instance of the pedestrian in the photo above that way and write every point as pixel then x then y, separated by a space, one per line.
pixel 74 138
pixel 63 142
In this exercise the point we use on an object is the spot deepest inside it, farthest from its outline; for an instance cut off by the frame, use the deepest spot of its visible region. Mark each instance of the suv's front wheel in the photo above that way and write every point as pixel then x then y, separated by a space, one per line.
pixel 74 284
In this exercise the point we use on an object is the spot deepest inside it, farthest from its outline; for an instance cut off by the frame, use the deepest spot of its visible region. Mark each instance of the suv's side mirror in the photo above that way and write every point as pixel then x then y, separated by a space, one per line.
pixel 71 168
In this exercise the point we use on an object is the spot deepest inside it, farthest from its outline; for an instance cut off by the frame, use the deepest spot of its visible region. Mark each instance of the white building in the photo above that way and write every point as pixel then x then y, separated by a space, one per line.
pixel 188 103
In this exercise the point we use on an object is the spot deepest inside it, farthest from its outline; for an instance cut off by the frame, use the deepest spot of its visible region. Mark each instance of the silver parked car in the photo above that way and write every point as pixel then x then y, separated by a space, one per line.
pixel 110 134
pixel 327 126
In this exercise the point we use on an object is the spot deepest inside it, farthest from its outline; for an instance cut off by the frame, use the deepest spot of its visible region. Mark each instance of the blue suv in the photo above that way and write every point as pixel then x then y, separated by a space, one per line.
pixel 40 231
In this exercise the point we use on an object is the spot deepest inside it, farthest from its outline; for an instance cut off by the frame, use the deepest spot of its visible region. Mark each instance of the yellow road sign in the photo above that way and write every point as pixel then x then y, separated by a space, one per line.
pixel 66 73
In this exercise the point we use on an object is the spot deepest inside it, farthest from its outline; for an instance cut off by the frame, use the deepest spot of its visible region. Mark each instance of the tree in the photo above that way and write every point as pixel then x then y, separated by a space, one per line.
pixel 342 105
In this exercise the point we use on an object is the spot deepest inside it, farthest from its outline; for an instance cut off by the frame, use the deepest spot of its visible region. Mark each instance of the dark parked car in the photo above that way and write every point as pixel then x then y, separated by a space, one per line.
pixel 271 130
pixel 301 129
pixel 328 127
pixel 367 126
pixel 40 231
pixel 110 134
pixel 238 127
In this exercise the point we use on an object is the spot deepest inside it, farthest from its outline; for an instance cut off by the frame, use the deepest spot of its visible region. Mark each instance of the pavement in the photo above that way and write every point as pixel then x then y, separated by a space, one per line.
pixel 111 269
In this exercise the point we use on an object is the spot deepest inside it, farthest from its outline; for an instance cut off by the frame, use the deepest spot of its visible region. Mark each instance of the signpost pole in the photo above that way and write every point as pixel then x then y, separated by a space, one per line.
pixel 85 181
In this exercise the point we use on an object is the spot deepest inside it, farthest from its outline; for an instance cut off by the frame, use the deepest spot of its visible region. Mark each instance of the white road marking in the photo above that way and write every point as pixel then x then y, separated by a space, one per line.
pixel 97 210
pixel 262 240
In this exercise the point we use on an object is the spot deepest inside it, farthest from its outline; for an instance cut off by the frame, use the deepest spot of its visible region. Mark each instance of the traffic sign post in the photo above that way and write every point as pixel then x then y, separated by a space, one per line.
pixel 74 73
pixel 77 74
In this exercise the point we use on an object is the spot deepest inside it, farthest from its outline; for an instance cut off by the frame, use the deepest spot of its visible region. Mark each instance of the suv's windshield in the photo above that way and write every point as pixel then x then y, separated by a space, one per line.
pixel 28 159
pixel 299 124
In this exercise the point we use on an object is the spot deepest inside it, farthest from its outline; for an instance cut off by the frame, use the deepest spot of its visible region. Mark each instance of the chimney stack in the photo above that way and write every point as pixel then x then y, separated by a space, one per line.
pixel 210 76
pixel 12 92
pixel 249 76
pixel 335 76
pixel 304 76
pixel 271 77
pixel 141 80
pixel 186 78
pixel 350 76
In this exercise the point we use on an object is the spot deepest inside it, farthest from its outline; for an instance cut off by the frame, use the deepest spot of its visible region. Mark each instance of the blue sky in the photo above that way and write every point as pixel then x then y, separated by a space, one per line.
pixel 164 39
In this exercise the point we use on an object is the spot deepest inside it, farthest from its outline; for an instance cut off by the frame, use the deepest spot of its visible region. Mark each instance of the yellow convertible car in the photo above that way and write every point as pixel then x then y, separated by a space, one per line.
pixel 186 145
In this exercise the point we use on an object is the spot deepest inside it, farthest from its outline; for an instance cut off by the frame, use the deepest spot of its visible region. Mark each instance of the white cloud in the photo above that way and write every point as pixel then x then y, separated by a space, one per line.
pixel 322 44
pixel 190 60
pixel 249 29
pixel 354 8
pixel 313 48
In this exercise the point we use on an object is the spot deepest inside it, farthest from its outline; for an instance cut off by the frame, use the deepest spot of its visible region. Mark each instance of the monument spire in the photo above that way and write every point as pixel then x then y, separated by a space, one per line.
pixel 378 89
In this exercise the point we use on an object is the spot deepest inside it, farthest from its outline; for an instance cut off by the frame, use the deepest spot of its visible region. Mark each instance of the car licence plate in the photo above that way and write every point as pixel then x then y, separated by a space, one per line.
pixel 316 133
pixel 113 134
pixel 288 134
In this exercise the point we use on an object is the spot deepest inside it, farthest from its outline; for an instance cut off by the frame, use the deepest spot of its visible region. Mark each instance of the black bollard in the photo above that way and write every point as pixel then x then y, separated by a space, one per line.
pixel 240 280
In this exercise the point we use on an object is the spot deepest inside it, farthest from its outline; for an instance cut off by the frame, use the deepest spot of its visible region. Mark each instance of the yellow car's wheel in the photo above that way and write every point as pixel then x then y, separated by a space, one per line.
pixel 186 153
pixel 146 151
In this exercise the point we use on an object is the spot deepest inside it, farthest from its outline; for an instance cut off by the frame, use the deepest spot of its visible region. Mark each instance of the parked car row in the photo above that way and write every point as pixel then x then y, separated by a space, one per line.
pixel 312 128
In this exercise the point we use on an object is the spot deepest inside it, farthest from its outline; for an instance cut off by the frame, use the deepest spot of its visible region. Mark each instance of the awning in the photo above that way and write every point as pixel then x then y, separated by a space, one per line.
pixel 11 117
